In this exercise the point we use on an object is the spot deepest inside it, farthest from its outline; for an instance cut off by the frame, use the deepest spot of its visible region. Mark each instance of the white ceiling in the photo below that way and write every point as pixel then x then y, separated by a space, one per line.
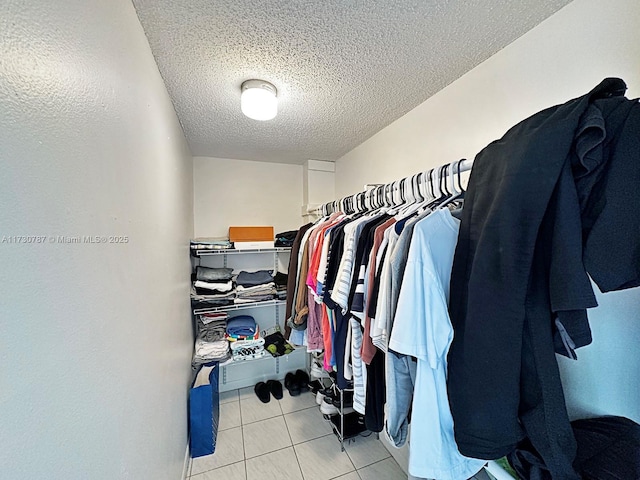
pixel 344 69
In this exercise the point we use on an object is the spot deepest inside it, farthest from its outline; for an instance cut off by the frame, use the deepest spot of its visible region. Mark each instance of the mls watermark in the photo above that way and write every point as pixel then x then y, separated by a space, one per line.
pixel 64 239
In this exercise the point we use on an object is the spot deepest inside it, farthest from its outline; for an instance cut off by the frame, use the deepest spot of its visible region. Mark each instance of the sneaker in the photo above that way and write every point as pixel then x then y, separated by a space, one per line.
pixel 328 409
pixel 317 371
pixel 322 394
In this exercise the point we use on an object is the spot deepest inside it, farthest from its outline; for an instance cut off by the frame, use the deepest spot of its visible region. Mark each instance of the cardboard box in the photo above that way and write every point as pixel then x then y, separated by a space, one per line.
pixel 252 234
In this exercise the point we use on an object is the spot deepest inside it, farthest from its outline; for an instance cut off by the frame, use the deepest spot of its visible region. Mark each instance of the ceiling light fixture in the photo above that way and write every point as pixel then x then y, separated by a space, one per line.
pixel 259 100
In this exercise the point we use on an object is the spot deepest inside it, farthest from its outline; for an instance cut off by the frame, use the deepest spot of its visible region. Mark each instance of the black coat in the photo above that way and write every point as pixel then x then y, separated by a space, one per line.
pixel 540 205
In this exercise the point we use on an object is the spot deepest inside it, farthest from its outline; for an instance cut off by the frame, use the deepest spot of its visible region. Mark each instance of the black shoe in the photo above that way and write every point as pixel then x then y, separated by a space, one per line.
pixel 347 399
pixel 291 384
pixel 315 386
pixel 275 387
pixel 303 380
pixel 262 391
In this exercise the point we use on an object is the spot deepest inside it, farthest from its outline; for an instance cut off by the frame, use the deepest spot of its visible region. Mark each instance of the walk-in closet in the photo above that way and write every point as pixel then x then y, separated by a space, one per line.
pixel 330 240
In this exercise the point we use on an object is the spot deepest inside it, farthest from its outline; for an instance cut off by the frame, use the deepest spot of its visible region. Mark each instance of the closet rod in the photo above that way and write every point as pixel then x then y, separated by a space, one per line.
pixel 461 166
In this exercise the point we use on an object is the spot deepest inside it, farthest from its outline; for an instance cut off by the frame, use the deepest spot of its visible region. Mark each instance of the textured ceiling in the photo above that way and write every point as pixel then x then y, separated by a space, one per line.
pixel 344 69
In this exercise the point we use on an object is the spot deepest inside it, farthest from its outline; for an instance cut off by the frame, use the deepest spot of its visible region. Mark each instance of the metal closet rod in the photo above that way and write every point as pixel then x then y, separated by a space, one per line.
pixel 457 167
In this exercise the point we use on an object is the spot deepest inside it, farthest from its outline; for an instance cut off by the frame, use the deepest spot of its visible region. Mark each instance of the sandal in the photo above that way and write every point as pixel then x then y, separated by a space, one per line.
pixel 303 380
pixel 291 384
pixel 262 391
pixel 276 389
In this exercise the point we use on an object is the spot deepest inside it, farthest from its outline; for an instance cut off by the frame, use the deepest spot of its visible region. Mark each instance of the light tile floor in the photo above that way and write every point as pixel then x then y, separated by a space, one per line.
pixel 288 440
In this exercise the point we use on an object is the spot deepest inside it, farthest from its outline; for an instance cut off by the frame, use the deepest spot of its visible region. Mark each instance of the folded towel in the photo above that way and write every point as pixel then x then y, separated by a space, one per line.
pixel 205 295
pixel 256 288
pixel 206 318
pixel 219 286
pixel 251 279
pixel 210 351
pixel 241 325
pixel 206 349
pixel 212 331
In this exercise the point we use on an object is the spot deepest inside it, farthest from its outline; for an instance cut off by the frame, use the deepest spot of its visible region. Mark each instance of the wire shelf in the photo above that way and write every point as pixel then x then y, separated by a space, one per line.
pixel 231 251
pixel 239 306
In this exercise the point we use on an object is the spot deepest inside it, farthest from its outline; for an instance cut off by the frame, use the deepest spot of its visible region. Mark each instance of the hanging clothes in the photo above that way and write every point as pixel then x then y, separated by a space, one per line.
pixel 518 278
pixel 372 288
pixel 422 329
pixel 293 276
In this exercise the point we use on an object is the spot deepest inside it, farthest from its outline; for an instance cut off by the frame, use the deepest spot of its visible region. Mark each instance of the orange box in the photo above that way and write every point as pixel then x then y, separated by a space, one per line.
pixel 251 234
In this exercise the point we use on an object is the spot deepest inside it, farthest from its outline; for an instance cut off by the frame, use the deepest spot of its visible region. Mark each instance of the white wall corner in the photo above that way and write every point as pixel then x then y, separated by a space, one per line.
pixel 318 184
pixel 320 165
pixel 186 464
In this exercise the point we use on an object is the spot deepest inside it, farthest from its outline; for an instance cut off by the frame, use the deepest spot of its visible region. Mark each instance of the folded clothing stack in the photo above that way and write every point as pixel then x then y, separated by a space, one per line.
pixel 213 286
pixel 281 285
pixel 285 239
pixel 211 344
pixel 213 281
pixel 242 326
pixel 203 244
pixel 207 301
pixel 259 293
pixel 254 287
pixel 253 279
pixel 244 336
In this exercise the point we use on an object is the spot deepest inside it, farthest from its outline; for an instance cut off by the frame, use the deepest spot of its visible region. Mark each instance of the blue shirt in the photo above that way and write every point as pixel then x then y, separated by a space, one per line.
pixel 422 329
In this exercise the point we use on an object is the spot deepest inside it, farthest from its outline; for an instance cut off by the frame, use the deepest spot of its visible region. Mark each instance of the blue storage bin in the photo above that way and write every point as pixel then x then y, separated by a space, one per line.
pixel 204 412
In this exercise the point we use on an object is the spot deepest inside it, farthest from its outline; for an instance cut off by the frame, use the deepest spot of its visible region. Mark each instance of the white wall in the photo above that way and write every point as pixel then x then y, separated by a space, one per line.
pixel 241 192
pixel 95 339
pixel 562 58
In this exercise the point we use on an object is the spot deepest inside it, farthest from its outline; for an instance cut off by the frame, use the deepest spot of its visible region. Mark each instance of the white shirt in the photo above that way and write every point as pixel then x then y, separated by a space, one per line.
pixel 378 327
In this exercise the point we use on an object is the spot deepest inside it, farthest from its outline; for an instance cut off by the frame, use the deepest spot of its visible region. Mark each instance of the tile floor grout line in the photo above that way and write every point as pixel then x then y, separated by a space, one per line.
pixel 379 461
pixel 267 453
pixel 312 439
pixel 261 420
pixel 244 452
pixel 301 410
pixel 349 457
pixel 293 447
pixel 218 468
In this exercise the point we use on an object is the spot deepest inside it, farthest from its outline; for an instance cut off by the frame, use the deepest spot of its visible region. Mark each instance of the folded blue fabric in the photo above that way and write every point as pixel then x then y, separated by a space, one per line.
pixel 244 325
pixel 251 279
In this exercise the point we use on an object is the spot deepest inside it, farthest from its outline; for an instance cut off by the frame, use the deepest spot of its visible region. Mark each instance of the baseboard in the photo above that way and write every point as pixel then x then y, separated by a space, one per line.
pixel 401 455
pixel 185 466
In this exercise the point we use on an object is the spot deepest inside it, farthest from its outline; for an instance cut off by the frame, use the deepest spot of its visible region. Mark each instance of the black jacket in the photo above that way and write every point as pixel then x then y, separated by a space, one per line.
pixel 540 205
